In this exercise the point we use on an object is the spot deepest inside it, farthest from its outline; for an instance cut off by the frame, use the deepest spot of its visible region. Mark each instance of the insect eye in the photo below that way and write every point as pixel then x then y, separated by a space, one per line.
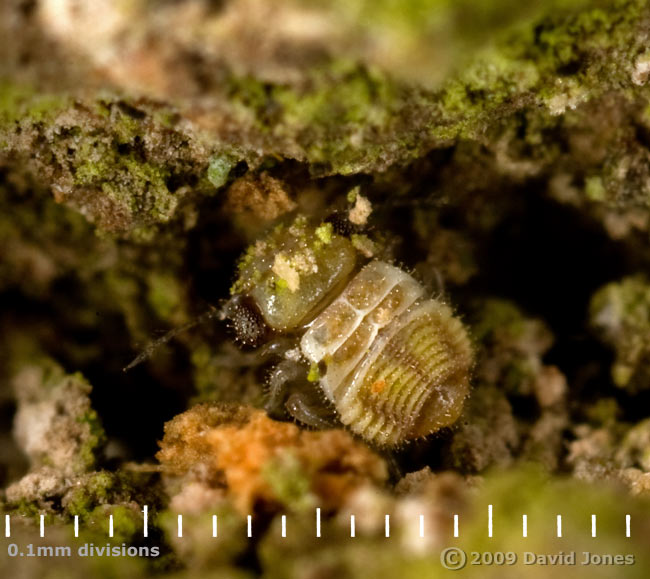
pixel 246 321
pixel 342 225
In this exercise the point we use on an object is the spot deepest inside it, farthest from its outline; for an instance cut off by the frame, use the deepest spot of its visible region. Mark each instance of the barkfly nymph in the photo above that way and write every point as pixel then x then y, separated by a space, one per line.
pixel 390 362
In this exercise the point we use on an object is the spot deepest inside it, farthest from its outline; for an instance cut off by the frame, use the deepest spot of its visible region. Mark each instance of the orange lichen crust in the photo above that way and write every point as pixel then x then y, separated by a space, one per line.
pixel 235 448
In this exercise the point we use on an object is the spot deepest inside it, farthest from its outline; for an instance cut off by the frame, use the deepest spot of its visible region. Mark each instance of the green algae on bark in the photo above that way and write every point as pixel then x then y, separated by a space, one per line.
pixel 620 315
pixel 119 163
pixel 345 117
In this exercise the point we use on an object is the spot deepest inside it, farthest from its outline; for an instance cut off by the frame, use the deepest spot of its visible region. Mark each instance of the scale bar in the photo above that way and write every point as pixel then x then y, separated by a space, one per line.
pixel 145 517
pixel 524 525
pixel 490 521
pixel 593 525
pixel 387 529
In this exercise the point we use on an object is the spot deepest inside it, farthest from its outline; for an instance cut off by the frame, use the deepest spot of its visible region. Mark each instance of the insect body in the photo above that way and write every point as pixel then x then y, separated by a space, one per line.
pixel 394 364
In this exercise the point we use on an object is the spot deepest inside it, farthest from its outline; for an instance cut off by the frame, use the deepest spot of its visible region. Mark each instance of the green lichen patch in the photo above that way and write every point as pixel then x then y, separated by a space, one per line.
pixel 324 233
pixel 510 345
pixel 127 522
pixel 89 497
pixel 218 169
pixel 95 490
pixel 289 482
pixel 114 162
pixel 620 314
pixel 349 118
pixel 18 102
pixel 634 450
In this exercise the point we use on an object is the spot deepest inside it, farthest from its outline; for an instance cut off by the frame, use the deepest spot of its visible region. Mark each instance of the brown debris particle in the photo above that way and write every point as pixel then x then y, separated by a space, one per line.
pixel 550 387
pixel 260 196
pixel 233 447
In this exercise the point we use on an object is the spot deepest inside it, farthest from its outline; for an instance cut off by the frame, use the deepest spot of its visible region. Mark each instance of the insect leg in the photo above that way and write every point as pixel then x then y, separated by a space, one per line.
pixel 304 410
pixel 285 372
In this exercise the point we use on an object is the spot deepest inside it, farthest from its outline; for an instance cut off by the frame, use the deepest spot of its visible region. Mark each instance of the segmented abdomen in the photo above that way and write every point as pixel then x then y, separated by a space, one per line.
pixel 396 366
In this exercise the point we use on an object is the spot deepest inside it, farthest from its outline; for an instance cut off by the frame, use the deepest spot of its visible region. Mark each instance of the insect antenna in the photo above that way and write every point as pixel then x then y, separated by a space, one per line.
pixel 149 350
